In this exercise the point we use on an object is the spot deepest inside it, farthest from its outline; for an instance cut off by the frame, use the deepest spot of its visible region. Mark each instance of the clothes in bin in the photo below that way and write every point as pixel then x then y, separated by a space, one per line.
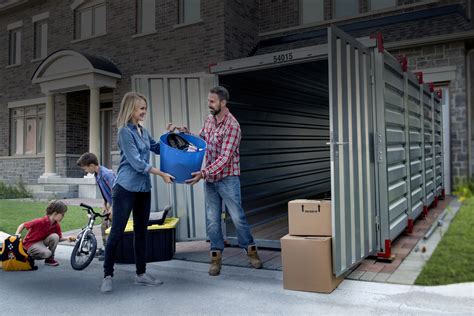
pixel 181 163
pixel 161 242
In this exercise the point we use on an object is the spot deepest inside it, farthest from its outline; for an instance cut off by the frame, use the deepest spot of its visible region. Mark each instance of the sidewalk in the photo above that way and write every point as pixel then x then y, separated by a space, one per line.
pixel 188 290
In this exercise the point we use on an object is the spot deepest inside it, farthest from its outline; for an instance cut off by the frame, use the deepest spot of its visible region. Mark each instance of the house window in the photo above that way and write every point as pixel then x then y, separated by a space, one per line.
pixel 14 47
pixel 27 130
pixel 90 21
pixel 189 11
pixel 345 8
pixel 145 16
pixel 41 39
pixel 381 4
pixel 311 11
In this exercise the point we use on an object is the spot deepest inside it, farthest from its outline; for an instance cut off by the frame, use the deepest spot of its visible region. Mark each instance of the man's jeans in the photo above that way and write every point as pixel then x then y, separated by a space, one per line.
pixel 227 190
pixel 124 201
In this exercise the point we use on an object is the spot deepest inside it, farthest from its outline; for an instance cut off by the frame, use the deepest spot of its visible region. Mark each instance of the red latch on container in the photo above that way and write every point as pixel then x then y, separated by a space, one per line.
pixel 439 93
pixel 404 63
pixel 419 75
pixel 431 86
pixel 379 39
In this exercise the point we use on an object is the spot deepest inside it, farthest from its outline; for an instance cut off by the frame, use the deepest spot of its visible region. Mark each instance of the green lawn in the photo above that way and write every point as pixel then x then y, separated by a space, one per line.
pixel 13 213
pixel 453 258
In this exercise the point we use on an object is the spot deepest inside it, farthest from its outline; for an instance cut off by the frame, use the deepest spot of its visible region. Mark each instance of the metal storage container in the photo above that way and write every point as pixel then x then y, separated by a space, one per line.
pixel 342 120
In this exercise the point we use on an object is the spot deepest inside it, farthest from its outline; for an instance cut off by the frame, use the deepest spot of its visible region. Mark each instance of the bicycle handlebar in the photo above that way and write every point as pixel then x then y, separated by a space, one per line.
pixel 91 210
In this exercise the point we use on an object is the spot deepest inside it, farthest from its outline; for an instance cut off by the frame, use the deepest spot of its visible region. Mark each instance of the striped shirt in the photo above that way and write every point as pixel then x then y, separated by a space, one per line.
pixel 222 153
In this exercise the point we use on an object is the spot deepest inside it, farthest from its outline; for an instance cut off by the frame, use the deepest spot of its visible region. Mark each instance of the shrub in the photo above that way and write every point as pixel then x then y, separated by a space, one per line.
pixel 464 190
pixel 13 191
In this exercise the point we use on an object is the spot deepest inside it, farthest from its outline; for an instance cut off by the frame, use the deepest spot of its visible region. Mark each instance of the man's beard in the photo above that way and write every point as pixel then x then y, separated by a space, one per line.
pixel 215 112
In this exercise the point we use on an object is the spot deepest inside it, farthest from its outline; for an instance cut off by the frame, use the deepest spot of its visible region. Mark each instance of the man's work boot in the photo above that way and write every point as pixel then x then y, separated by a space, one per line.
pixel 216 263
pixel 253 257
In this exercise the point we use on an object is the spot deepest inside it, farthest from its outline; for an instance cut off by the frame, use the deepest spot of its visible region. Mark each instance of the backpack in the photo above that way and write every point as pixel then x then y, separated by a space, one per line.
pixel 13 256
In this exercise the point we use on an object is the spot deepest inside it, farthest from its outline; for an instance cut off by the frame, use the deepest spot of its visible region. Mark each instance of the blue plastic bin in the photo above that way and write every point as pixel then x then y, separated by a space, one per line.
pixel 179 163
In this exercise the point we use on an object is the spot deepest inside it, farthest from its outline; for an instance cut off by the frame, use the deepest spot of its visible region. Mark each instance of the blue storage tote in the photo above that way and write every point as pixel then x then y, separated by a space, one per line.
pixel 180 163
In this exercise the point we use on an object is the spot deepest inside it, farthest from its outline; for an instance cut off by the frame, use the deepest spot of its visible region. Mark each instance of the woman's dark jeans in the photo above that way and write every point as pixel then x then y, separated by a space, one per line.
pixel 123 203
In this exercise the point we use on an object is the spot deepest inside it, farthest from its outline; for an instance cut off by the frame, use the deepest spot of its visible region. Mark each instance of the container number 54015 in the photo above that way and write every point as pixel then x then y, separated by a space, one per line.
pixel 281 58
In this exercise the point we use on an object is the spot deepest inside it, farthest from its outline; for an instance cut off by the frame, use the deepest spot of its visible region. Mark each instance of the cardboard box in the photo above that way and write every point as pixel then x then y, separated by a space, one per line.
pixel 307 264
pixel 309 218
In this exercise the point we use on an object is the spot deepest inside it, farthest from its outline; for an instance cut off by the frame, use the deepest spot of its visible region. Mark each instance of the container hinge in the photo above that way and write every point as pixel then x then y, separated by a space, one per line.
pixel 379 147
pixel 377 223
pixel 372 78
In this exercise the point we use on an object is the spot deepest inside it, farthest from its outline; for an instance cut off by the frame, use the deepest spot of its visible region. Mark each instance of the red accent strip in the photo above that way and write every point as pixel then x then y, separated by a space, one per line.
pixel 439 93
pixel 379 39
pixel 435 202
pixel 210 65
pixel 388 250
pixel 425 211
pixel 410 226
pixel 404 63
pixel 431 86
pixel 419 75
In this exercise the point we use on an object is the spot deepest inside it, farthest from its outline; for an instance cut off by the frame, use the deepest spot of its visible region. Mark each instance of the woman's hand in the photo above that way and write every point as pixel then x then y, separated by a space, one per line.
pixel 167 178
pixel 171 128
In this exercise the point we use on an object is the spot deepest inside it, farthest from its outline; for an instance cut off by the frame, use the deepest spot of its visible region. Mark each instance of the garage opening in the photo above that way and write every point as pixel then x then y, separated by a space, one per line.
pixel 285 154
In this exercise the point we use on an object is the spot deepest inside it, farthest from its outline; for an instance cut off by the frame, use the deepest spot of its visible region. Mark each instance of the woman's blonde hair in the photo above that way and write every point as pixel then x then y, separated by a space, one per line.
pixel 127 107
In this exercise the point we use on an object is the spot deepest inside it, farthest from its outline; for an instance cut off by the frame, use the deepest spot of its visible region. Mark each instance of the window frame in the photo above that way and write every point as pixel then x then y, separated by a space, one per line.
pixel 40 47
pixel 14 46
pixel 370 9
pixel 300 3
pixel 181 13
pixel 334 16
pixel 92 7
pixel 140 18
pixel 39 114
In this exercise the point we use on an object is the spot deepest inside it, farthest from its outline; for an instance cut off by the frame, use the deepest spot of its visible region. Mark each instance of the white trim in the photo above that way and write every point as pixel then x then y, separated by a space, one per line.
pixel 144 34
pixel 39 17
pixel 14 25
pixel 28 102
pixel 180 25
pixel 82 4
pixel 439 74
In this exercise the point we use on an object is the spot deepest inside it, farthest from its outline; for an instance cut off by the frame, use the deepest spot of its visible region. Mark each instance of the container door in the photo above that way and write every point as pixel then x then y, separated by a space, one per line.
pixel 352 162
pixel 181 99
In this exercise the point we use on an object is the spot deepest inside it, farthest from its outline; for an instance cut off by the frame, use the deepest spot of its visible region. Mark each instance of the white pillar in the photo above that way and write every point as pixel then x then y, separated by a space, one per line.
pixel 50 141
pixel 94 122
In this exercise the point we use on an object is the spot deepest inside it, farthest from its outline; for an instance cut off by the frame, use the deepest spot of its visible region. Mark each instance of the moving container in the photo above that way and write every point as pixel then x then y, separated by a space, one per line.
pixel 342 120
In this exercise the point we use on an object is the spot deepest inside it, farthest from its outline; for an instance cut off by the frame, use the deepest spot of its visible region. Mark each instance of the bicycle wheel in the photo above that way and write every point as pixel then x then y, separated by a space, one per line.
pixel 81 258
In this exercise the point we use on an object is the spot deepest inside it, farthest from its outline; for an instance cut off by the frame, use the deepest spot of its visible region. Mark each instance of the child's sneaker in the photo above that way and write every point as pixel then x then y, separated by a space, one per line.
pixel 51 262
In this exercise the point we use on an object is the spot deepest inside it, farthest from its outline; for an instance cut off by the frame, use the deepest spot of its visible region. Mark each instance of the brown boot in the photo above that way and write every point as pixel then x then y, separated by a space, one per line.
pixel 216 262
pixel 253 257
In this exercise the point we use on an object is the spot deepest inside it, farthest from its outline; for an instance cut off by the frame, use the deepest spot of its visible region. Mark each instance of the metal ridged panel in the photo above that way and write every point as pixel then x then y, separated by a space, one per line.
pixel 180 99
pixel 428 146
pixel 395 129
pixel 438 145
pixel 352 185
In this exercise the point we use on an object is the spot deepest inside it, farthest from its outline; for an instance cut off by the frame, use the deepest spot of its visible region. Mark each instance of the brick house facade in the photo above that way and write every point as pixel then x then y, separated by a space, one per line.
pixel 432 34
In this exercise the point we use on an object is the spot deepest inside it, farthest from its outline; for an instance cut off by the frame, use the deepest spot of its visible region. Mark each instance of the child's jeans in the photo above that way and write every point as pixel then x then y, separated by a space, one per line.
pixel 44 249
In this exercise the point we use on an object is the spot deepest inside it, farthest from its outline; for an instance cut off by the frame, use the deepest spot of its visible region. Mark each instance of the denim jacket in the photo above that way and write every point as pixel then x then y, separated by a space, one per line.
pixel 133 171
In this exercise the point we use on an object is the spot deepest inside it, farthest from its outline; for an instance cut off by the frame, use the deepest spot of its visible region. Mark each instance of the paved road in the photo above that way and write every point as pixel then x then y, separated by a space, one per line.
pixel 188 290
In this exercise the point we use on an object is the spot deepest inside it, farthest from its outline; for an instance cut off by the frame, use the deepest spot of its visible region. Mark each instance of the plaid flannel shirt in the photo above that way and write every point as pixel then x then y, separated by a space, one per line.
pixel 222 153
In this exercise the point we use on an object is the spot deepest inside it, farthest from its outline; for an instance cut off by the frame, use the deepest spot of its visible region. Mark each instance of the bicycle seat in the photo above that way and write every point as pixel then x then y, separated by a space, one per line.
pixel 158 218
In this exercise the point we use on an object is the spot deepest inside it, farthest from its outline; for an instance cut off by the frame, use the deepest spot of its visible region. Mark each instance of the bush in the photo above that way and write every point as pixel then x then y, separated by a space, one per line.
pixel 13 191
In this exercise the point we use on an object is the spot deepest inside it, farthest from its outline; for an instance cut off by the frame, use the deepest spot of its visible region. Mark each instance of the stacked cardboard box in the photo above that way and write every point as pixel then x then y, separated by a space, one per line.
pixel 306 250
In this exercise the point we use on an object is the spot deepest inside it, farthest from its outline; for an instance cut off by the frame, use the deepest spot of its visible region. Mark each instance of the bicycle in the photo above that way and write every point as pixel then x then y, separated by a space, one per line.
pixel 86 243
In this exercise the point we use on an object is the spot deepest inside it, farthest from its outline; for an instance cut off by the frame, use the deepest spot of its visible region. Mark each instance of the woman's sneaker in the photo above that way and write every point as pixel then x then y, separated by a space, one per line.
pixel 146 279
pixel 107 285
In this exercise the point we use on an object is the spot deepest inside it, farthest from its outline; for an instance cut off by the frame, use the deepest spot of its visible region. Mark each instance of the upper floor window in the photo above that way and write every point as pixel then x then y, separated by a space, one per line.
pixel 345 8
pixel 14 43
pixel 189 11
pixel 311 11
pixel 145 16
pixel 90 19
pixel 40 46
pixel 381 4
pixel 27 130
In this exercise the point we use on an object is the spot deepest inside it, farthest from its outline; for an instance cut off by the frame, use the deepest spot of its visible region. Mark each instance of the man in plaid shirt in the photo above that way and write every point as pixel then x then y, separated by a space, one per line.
pixel 222 134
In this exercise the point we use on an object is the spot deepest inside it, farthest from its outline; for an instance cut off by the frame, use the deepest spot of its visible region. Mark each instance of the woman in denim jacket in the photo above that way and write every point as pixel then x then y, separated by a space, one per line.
pixel 132 187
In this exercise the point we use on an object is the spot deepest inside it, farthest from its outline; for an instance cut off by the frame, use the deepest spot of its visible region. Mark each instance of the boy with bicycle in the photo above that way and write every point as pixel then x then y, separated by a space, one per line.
pixel 105 179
